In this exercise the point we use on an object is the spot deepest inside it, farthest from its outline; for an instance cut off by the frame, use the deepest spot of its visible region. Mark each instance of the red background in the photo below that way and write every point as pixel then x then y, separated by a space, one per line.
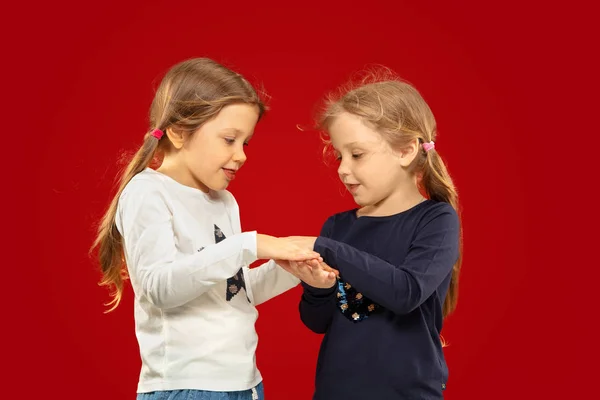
pixel 511 86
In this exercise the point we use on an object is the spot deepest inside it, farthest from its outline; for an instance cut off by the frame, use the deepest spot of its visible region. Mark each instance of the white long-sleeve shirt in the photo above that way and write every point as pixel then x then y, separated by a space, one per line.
pixel 190 336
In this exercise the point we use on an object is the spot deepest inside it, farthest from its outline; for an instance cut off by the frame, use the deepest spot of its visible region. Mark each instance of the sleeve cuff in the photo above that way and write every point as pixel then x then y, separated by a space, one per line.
pixel 249 249
pixel 317 292
pixel 293 279
pixel 327 248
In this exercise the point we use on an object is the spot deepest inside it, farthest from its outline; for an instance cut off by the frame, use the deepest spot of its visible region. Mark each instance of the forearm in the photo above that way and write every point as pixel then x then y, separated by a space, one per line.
pixel 269 280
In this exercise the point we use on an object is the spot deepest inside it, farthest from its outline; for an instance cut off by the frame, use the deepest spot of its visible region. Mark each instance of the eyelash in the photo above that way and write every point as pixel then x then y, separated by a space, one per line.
pixel 232 141
pixel 355 156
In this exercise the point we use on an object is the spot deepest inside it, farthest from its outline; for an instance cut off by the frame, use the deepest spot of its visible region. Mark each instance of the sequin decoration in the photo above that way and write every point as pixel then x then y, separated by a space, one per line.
pixel 353 304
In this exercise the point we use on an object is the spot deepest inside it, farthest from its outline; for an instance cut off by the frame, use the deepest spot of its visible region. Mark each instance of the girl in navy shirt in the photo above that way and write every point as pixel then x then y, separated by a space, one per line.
pixel 398 254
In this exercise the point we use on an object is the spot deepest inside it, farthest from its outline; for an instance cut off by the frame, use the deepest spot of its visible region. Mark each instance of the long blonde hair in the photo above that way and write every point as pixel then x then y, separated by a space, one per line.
pixel 191 93
pixel 400 114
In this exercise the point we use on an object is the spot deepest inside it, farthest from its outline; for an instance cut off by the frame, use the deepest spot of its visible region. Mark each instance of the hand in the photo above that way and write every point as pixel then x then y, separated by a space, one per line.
pixel 314 263
pixel 268 247
pixel 314 273
pixel 306 242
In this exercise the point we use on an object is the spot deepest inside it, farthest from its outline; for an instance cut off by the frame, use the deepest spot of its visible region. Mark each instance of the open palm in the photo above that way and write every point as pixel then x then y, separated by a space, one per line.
pixel 314 273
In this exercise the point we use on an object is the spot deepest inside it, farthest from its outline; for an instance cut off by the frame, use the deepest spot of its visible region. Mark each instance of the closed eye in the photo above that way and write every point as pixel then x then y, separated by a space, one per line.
pixel 355 156
pixel 230 140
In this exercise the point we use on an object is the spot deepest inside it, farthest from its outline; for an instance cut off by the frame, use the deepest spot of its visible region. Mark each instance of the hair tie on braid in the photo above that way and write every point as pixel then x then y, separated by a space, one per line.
pixel 157 133
pixel 428 146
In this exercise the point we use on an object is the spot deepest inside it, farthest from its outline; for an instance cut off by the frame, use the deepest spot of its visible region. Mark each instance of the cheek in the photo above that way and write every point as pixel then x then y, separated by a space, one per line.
pixel 371 169
pixel 389 166
pixel 378 174
pixel 199 159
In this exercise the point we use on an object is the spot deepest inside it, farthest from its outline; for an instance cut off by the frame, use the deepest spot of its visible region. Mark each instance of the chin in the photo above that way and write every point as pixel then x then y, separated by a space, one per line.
pixel 361 202
pixel 217 188
pixel 222 185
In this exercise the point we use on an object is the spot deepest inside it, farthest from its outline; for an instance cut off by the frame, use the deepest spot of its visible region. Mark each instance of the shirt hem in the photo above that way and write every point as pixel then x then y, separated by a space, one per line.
pixel 211 385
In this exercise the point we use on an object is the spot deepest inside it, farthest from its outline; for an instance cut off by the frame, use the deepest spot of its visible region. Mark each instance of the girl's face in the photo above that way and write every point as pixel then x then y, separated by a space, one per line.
pixel 372 171
pixel 211 156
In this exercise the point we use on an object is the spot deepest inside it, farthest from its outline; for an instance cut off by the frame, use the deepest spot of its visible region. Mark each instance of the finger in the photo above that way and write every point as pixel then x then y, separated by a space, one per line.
pixel 331 282
pixel 305 272
pixel 304 255
pixel 305 266
pixel 327 279
pixel 330 269
pixel 301 271
pixel 325 267
pixel 311 265
pixel 318 272
pixel 315 259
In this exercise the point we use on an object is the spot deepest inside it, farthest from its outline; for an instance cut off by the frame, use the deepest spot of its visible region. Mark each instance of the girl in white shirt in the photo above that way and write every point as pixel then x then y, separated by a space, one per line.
pixel 175 232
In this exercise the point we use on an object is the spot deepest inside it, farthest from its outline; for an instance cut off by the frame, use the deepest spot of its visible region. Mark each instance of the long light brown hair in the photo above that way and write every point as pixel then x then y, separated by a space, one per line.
pixel 400 114
pixel 190 94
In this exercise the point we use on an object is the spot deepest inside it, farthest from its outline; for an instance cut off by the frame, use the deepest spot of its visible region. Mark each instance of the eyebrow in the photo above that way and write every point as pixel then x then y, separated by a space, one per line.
pixel 344 146
pixel 355 143
pixel 233 130
pixel 237 132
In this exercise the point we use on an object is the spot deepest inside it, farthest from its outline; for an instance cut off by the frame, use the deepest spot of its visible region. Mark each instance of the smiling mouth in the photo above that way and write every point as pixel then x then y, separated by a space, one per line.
pixel 230 173
pixel 353 187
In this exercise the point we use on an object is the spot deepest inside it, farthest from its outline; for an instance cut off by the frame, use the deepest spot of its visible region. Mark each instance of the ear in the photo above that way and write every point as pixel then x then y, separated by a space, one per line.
pixel 409 152
pixel 176 137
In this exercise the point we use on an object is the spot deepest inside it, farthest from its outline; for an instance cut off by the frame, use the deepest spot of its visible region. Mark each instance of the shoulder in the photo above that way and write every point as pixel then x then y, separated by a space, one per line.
pixel 144 201
pixel 439 213
pixel 336 219
pixel 342 215
pixel 226 197
pixel 144 187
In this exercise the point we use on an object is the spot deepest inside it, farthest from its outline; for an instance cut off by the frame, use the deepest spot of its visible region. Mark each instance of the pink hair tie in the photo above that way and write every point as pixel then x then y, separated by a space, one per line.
pixel 428 146
pixel 157 133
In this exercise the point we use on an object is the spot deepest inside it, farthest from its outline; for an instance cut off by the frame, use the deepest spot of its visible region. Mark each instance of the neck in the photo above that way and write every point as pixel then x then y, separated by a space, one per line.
pixel 402 199
pixel 173 170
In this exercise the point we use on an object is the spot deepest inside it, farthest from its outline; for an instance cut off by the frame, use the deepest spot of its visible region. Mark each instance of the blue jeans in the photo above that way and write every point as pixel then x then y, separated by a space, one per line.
pixel 189 394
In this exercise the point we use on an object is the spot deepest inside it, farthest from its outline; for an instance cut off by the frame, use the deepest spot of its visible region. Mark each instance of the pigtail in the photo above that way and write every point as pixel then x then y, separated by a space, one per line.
pixel 438 186
pixel 109 241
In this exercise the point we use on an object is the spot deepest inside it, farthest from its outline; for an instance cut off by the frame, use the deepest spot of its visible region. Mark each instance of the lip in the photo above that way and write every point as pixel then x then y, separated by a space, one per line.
pixel 229 173
pixel 352 188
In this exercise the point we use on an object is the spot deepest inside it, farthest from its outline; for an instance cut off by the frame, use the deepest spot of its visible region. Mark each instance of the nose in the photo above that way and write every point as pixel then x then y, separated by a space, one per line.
pixel 239 157
pixel 343 170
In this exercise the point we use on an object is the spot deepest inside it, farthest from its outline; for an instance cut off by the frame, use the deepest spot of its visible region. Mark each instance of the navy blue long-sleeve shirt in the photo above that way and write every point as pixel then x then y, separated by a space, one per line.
pixel 399 268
